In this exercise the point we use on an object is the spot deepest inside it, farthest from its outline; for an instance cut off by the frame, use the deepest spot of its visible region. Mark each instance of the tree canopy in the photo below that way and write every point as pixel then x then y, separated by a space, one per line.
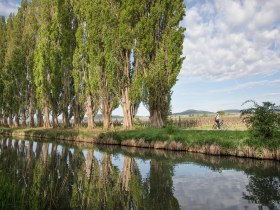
pixel 73 58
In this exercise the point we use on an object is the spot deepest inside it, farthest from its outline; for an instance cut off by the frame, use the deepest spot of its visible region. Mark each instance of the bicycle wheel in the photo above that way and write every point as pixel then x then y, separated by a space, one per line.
pixel 225 126
pixel 214 127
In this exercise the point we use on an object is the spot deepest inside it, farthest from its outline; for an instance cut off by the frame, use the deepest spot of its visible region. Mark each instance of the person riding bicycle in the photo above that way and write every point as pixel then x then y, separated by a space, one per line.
pixel 218 120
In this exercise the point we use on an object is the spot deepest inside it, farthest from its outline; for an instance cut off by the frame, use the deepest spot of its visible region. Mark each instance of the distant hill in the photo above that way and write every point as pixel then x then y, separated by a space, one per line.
pixel 100 116
pixel 232 111
pixel 192 111
pixel 201 112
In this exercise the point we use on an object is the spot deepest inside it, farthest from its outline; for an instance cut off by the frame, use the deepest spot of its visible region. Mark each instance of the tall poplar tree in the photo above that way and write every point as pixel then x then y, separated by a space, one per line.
pixel 20 70
pixel 15 85
pixel 3 44
pixel 30 33
pixel 84 81
pixel 159 48
pixel 8 73
pixel 46 63
pixel 129 77
pixel 103 55
pixel 67 30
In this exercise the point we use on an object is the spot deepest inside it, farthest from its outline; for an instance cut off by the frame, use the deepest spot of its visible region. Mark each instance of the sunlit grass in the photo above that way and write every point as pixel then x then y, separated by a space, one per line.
pixel 224 138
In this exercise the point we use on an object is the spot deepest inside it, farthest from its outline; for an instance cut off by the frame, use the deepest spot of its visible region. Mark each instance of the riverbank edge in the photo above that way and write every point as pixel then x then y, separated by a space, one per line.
pixel 209 149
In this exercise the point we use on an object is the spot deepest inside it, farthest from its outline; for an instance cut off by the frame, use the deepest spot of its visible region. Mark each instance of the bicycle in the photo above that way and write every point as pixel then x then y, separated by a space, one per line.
pixel 223 126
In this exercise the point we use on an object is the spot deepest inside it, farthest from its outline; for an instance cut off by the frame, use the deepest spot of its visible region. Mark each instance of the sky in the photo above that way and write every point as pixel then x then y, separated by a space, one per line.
pixel 231 50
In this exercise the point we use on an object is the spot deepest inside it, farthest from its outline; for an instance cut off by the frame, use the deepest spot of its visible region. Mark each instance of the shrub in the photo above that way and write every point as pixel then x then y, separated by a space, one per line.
pixel 169 126
pixel 262 120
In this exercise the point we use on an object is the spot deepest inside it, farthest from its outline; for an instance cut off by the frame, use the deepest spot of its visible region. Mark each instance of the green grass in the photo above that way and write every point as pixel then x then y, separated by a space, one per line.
pixel 224 138
pixel 227 139
pixel 54 133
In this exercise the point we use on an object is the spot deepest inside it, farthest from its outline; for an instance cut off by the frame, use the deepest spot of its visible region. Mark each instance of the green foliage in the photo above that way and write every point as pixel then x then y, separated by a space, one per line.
pixel 169 127
pixel 262 120
pixel 56 54
pixel 159 48
pixel 222 113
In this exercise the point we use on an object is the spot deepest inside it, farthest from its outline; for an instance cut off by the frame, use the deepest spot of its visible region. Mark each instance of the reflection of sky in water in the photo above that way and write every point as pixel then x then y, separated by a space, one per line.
pixel 50 148
pixel 144 167
pixel 117 160
pixel 197 187
pixel 34 146
pixel 98 155
pixel 59 149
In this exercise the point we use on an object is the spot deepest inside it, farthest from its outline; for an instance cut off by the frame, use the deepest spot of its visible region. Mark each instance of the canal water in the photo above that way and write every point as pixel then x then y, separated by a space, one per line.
pixel 48 175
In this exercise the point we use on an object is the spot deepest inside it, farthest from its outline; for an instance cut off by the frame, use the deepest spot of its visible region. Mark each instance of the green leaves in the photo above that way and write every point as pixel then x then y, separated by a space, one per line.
pixel 159 48
pixel 262 120
pixel 116 52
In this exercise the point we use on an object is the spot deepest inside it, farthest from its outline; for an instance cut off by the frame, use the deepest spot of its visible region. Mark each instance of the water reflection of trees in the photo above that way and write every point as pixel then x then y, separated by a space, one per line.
pixel 263 175
pixel 264 191
pixel 36 175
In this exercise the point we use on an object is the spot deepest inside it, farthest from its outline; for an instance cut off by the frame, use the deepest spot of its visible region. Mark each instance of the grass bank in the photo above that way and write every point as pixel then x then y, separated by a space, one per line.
pixel 215 142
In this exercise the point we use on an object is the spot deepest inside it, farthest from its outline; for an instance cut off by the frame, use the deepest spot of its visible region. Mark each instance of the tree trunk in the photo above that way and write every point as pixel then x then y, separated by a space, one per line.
pixel 47 123
pixel 23 118
pixel 77 118
pixel 5 120
pixel 16 121
pixel 31 110
pixel 90 112
pixel 66 122
pixel 127 110
pixel 10 120
pixel 107 114
pixel 1 119
pixel 156 118
pixel 40 120
pixel 126 103
pixel 55 120
pixel 66 98
pixel 31 119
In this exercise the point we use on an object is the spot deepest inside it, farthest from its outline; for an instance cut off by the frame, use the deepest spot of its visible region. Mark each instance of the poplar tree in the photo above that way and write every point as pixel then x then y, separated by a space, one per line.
pixel 129 77
pixel 103 55
pixel 67 29
pixel 3 44
pixel 46 63
pixel 20 64
pixel 159 48
pixel 75 56
pixel 7 76
pixel 86 96
pixel 15 85
pixel 30 33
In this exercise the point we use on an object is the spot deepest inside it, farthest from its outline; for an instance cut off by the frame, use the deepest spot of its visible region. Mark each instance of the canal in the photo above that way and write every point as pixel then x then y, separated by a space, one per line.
pixel 49 175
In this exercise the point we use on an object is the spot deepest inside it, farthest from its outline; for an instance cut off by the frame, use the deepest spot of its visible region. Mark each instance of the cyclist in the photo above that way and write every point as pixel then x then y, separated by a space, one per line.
pixel 218 120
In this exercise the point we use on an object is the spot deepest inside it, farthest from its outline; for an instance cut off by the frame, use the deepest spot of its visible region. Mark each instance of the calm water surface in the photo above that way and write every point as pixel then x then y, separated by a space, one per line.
pixel 47 175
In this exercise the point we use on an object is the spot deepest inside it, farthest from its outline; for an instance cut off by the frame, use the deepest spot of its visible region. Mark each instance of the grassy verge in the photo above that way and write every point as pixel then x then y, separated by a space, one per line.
pixel 59 133
pixel 223 138
pixel 227 139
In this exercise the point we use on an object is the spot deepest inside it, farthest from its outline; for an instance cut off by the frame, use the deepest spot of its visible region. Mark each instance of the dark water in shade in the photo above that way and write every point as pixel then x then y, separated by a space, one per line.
pixel 47 175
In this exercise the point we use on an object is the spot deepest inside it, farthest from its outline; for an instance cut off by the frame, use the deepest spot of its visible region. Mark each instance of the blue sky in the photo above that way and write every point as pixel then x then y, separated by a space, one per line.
pixel 232 51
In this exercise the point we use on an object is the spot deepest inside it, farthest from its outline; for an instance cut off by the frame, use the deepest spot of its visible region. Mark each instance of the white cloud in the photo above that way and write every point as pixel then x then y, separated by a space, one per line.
pixel 8 7
pixel 270 94
pixel 232 39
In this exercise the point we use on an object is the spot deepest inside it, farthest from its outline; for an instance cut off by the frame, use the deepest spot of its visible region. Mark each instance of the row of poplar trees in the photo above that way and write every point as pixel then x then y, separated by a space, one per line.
pixel 71 58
